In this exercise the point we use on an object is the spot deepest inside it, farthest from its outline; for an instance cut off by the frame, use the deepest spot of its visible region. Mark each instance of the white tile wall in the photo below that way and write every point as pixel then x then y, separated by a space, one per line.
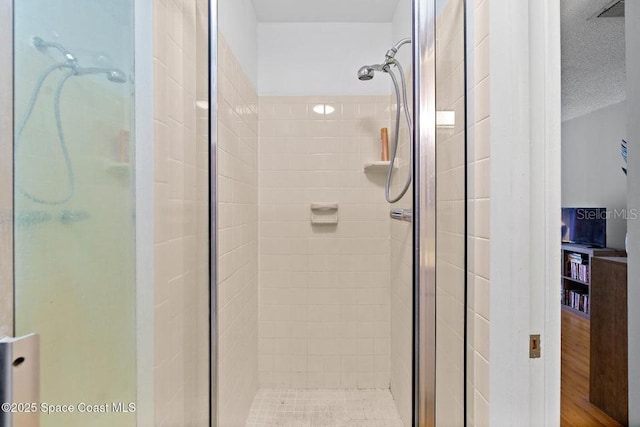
pixel 324 289
pixel 450 246
pixel 177 316
pixel 237 239
pixel 478 214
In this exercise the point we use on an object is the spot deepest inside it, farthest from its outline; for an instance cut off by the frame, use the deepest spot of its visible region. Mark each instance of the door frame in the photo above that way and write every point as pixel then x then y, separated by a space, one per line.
pixel 525 178
pixel 213 212
pixel 632 41
pixel 144 208
pixel 424 219
pixel 6 169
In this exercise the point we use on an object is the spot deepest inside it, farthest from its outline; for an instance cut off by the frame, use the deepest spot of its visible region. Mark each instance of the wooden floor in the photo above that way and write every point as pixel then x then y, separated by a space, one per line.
pixel 576 410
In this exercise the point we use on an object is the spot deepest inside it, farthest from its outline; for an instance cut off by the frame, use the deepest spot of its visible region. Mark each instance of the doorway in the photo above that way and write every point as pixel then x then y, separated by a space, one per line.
pixel 594 215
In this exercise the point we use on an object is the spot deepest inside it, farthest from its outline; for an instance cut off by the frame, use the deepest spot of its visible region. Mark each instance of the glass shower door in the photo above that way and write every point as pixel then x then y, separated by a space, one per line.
pixel 451 262
pixel 74 211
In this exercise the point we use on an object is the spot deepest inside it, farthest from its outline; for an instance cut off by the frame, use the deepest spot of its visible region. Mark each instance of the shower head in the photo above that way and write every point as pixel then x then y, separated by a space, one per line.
pixel 367 72
pixel 113 74
pixel 116 76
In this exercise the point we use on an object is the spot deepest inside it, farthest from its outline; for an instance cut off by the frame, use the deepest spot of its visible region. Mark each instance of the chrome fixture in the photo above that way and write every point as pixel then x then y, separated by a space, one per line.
pixel 391 53
pixel 367 72
pixel 71 64
pixel 401 214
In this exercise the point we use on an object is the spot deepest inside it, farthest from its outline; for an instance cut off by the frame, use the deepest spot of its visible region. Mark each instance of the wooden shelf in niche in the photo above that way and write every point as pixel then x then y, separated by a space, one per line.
pixel 380 166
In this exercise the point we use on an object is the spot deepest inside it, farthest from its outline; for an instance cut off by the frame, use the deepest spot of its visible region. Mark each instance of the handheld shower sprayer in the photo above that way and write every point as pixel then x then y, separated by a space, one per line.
pixel 366 73
pixel 73 69
pixel 71 61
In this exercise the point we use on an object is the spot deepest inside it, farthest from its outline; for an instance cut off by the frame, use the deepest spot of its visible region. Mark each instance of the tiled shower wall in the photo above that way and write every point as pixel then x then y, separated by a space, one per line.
pixel 478 212
pixel 324 289
pixel 450 212
pixel 238 240
pixel 177 236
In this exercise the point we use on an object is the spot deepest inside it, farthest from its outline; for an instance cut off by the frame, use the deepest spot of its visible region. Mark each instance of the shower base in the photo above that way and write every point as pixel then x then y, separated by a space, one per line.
pixel 323 408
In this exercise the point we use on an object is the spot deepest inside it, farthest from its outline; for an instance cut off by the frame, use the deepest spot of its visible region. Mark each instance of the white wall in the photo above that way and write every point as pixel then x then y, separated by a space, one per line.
pixel 402 27
pixel 237 22
pixel 320 58
pixel 633 132
pixel 591 174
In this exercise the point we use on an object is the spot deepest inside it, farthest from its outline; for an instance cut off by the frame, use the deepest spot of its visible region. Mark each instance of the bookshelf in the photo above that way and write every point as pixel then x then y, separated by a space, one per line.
pixel 576 276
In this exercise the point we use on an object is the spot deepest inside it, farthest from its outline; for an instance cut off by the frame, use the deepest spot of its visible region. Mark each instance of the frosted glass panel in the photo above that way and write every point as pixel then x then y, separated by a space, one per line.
pixel 74 201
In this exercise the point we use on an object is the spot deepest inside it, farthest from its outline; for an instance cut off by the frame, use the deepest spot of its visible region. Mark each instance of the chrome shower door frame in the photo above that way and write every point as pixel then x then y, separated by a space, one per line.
pixel 213 213
pixel 424 225
pixel 6 168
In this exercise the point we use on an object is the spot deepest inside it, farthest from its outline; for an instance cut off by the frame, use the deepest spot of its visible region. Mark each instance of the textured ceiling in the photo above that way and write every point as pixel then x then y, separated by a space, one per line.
pixel 593 67
pixel 325 10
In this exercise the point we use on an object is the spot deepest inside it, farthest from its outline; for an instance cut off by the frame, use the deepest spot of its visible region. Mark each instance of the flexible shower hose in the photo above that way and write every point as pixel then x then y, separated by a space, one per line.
pixel 394 152
pixel 61 138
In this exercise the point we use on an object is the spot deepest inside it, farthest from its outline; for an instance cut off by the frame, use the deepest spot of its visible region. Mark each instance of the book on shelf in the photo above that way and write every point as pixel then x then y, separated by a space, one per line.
pixel 573 257
pixel 578 267
pixel 578 300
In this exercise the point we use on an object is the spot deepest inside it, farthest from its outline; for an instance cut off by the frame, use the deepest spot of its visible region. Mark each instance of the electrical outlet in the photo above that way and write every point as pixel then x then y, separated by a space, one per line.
pixel 534 346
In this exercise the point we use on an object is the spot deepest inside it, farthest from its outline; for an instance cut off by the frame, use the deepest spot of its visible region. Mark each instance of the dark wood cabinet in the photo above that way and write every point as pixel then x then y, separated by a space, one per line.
pixel 608 379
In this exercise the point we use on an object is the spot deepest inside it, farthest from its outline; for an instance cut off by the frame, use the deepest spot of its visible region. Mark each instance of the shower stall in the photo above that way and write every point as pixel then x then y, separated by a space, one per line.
pixel 342 280
pixel 197 226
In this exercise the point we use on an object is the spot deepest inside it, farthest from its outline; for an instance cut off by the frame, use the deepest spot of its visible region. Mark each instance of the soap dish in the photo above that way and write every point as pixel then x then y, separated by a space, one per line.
pixel 324 213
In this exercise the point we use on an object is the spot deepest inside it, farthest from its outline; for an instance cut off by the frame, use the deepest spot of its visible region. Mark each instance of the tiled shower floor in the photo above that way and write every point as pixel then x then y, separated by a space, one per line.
pixel 323 408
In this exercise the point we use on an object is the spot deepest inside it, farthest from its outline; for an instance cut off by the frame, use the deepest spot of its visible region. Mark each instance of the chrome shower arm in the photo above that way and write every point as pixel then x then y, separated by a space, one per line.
pixel 391 53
